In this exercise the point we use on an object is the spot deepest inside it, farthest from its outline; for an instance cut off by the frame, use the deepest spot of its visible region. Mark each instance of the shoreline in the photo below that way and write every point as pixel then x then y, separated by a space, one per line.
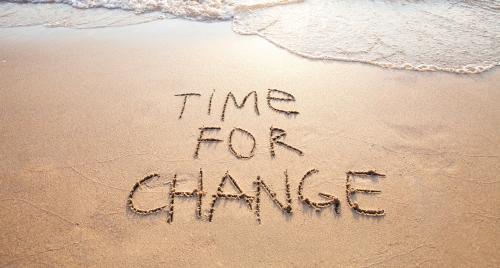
pixel 63 15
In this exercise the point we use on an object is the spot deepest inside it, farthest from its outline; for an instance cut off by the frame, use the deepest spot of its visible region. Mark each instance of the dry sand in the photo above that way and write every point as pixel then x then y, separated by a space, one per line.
pixel 85 114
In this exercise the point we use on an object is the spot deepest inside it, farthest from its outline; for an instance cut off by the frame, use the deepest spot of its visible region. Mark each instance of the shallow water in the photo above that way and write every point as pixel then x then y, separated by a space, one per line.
pixel 453 36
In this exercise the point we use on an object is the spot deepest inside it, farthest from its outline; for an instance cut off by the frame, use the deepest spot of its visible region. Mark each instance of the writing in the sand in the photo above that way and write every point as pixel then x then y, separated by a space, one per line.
pixel 276 135
pixel 276 101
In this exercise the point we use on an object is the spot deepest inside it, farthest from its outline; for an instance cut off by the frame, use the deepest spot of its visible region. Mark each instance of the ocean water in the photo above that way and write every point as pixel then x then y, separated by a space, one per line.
pixel 460 36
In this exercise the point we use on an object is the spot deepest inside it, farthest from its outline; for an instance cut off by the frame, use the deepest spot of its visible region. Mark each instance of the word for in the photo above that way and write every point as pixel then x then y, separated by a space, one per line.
pixel 253 202
pixel 276 135
pixel 273 96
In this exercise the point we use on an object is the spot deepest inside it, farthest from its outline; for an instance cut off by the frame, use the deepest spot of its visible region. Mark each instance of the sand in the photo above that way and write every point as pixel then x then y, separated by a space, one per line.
pixel 85 114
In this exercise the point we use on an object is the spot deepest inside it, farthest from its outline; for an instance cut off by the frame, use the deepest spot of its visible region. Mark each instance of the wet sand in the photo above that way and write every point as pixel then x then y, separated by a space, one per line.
pixel 85 114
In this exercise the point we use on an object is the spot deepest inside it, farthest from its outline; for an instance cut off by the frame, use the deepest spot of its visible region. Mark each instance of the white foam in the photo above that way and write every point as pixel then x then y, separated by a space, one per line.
pixel 451 36
pixel 460 36
pixel 191 9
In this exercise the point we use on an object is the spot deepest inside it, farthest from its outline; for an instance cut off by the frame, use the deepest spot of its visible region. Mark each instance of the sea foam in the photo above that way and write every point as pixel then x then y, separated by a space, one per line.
pixel 460 36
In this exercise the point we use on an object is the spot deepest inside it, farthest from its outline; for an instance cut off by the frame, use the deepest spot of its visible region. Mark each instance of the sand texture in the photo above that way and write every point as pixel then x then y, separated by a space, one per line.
pixel 86 114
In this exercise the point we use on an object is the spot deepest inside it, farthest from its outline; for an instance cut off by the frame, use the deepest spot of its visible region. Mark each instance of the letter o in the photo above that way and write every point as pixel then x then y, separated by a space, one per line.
pixel 231 148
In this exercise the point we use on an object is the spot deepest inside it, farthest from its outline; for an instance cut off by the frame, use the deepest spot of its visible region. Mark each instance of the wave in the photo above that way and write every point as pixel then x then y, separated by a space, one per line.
pixel 451 36
pixel 204 10
pixel 459 36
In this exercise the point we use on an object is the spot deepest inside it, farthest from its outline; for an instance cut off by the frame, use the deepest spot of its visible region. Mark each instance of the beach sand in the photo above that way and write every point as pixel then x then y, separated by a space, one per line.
pixel 85 114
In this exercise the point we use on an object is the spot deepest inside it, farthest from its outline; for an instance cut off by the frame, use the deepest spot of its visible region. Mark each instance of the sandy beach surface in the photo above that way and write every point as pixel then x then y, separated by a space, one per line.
pixel 85 114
